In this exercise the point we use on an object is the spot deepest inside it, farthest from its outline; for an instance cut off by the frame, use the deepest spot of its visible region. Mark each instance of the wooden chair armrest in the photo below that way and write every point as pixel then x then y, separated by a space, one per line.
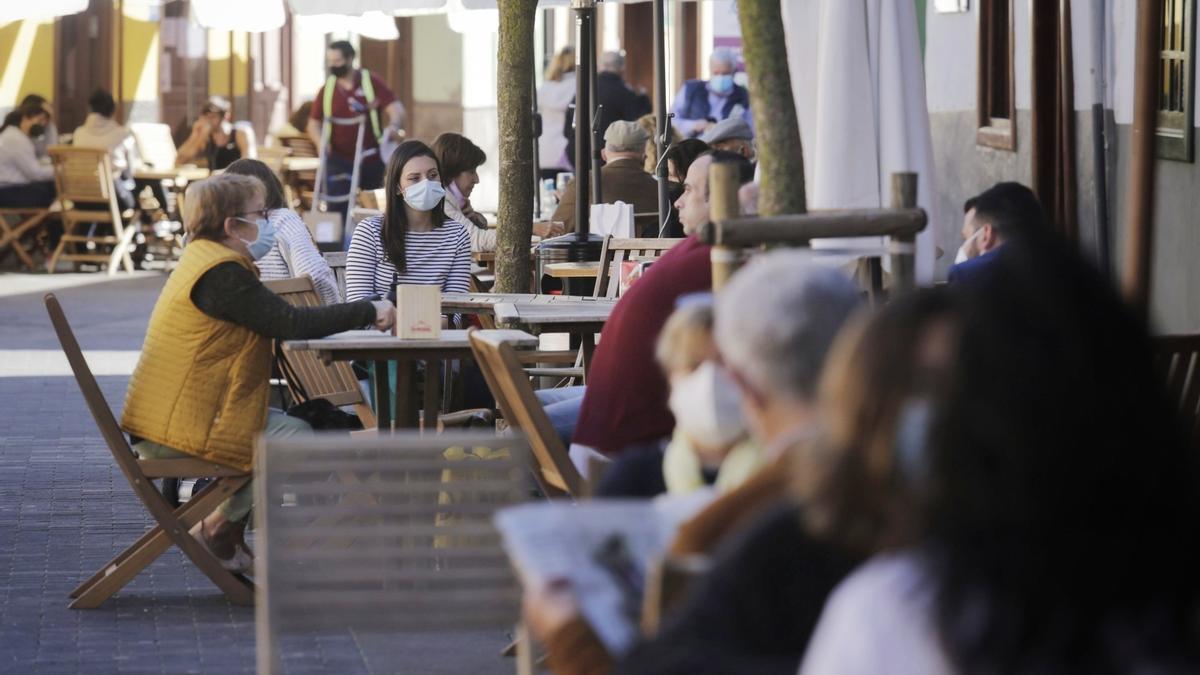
pixel 536 357
pixel 186 467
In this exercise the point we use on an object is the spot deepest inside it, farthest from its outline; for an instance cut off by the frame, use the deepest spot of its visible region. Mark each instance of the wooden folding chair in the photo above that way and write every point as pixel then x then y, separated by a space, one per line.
pixel 337 263
pixel 333 381
pixel 411 547
pixel 1177 361
pixel 172 526
pixel 12 236
pixel 84 176
pixel 617 251
pixel 553 469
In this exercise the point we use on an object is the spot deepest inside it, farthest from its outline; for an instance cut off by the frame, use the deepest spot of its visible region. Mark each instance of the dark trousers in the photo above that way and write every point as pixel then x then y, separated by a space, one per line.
pixel 337 179
pixel 635 473
pixel 29 195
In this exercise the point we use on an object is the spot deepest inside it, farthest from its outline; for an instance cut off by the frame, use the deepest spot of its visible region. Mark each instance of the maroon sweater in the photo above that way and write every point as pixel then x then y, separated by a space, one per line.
pixel 626 399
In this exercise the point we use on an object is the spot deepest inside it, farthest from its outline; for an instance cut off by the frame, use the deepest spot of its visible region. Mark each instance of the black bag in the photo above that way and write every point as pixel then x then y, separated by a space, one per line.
pixel 318 412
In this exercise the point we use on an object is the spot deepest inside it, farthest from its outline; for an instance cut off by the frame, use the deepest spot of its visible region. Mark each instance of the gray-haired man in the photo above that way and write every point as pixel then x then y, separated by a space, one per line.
pixel 622 178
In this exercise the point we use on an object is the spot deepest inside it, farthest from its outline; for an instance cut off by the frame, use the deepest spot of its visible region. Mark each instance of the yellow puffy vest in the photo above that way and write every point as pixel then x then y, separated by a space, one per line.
pixel 201 384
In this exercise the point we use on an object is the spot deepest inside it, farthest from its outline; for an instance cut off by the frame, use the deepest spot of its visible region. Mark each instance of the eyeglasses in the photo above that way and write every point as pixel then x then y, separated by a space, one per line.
pixel 262 213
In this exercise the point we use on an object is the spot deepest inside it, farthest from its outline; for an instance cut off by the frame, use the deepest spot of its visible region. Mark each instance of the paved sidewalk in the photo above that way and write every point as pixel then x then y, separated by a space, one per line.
pixel 65 510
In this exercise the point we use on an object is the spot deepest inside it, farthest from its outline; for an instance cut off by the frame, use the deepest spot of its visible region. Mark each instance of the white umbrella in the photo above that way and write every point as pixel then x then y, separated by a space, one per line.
pixel 360 7
pixel 239 15
pixel 14 10
pixel 859 84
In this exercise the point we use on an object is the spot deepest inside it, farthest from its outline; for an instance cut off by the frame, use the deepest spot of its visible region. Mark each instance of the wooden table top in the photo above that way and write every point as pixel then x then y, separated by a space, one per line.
pixel 301 163
pixel 184 173
pixel 573 270
pixel 344 346
pixel 475 303
pixel 544 315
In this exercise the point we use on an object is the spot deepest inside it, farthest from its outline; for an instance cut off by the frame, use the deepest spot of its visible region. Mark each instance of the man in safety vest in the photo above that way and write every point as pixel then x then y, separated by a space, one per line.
pixel 349 92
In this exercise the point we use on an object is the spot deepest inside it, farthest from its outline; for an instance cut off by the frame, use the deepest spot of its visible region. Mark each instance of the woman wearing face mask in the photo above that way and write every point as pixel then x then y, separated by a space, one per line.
pixel 201 384
pixel 460 160
pixel 24 180
pixel 414 241
pixel 710 445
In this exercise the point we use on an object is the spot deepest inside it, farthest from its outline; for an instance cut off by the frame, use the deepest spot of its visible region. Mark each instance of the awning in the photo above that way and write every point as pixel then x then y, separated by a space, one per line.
pixel 41 10
pixel 239 15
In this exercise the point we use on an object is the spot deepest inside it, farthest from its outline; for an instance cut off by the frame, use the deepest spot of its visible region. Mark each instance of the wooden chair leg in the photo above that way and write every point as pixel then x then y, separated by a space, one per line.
pixel 52 263
pixel 112 578
pixel 120 254
pixel 188 515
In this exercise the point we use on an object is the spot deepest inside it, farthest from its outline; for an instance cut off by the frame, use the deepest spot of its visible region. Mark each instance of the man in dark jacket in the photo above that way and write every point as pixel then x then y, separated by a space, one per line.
pixel 614 98
pixel 622 179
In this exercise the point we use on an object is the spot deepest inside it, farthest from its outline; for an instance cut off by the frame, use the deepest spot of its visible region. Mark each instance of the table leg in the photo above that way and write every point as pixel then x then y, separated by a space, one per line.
pixel 433 395
pixel 383 397
pixel 406 394
pixel 588 347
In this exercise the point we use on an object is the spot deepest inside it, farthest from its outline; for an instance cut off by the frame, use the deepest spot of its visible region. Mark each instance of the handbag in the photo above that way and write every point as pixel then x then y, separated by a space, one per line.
pixel 319 413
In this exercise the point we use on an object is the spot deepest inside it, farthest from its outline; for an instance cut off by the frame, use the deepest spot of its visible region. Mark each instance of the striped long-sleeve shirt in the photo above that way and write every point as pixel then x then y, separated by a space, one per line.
pixel 440 257
pixel 295 255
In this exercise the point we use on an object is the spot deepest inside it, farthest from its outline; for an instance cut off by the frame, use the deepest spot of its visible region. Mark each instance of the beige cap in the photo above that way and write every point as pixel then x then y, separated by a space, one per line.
pixel 625 137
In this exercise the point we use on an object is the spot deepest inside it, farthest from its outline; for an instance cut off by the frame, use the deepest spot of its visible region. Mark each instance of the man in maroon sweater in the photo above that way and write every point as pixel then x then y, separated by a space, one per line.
pixel 624 410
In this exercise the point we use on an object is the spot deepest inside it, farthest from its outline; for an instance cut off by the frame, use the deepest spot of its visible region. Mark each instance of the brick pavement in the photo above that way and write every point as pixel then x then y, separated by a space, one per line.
pixel 65 510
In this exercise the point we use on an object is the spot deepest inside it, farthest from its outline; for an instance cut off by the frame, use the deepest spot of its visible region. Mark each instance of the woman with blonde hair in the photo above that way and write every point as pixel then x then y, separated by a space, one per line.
pixel 201 384
pixel 553 98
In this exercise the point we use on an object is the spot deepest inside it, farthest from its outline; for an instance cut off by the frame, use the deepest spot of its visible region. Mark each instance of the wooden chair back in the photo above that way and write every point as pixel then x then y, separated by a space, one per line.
pixel 1177 361
pixel 616 251
pixel 552 466
pixel 172 525
pixel 299 145
pixel 334 381
pixel 83 175
pixel 155 145
pixel 383 535
pixel 337 263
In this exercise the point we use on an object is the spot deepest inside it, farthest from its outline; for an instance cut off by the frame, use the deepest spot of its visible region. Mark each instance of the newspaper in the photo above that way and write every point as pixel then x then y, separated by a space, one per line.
pixel 602 547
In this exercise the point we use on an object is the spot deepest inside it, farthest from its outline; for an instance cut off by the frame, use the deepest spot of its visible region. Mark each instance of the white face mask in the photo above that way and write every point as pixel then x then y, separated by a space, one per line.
pixel 425 195
pixel 965 252
pixel 708 406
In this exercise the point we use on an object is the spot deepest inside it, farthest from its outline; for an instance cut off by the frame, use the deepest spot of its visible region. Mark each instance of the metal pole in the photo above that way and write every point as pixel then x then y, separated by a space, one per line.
pixel 660 105
pixel 597 134
pixel 1099 132
pixel 585 32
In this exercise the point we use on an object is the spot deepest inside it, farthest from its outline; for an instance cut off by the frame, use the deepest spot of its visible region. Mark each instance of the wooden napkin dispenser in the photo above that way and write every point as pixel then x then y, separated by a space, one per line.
pixel 418 312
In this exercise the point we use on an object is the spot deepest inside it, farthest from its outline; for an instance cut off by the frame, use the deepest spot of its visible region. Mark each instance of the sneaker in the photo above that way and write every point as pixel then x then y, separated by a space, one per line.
pixel 240 562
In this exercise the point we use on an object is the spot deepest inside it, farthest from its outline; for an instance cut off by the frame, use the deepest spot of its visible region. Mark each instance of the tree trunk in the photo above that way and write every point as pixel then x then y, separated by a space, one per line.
pixel 514 80
pixel 780 160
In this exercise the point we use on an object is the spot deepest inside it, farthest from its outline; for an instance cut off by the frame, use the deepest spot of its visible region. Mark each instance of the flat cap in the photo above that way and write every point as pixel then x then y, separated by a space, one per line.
pixel 624 136
pixel 730 129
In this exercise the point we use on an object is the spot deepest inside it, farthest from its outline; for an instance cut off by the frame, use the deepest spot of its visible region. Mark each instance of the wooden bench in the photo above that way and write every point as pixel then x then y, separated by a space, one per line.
pixel 405 544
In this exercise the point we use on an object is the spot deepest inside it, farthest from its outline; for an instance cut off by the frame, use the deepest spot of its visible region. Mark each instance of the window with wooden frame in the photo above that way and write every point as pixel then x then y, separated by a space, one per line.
pixel 997 103
pixel 1176 106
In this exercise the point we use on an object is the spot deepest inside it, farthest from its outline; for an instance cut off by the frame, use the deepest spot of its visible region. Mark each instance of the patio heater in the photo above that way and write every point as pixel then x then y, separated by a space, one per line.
pixel 580 245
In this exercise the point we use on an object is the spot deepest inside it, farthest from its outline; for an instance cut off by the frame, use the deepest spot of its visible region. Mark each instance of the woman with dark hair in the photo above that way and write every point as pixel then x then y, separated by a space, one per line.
pixel 294 254
pixel 460 160
pixel 681 155
pixel 414 241
pixel 214 139
pixel 1039 513
pixel 24 180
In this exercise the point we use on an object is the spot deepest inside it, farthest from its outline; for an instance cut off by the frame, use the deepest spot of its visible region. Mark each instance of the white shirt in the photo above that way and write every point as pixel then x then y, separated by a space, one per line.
pixel 553 99
pixel 295 255
pixel 19 164
pixel 104 133
pixel 878 620
pixel 482 239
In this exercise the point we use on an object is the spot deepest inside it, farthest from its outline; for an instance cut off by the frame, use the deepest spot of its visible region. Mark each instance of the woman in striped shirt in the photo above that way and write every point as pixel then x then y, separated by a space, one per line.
pixel 413 242
pixel 294 253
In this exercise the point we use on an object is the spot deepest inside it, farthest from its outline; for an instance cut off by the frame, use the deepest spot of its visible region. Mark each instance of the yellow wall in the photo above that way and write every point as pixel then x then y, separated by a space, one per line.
pixel 218 63
pixel 139 39
pixel 26 61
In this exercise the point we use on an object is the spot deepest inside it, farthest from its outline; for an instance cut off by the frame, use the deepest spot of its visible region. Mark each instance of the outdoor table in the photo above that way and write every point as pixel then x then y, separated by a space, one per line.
pixel 573 270
pixel 370 345
pixel 485 303
pixel 582 318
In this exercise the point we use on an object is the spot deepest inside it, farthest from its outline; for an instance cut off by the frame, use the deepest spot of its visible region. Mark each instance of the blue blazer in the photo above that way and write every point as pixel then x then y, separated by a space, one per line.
pixel 695 93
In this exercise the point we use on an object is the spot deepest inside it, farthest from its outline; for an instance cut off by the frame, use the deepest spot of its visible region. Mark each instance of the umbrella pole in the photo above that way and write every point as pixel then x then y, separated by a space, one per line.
pixel 660 106
pixel 585 33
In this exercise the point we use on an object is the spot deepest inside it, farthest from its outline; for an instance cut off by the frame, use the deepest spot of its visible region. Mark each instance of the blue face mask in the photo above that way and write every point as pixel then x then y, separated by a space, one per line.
pixel 721 84
pixel 265 239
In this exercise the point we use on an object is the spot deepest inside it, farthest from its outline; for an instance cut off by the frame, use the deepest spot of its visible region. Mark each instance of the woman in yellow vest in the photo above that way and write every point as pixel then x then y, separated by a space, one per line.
pixel 200 387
